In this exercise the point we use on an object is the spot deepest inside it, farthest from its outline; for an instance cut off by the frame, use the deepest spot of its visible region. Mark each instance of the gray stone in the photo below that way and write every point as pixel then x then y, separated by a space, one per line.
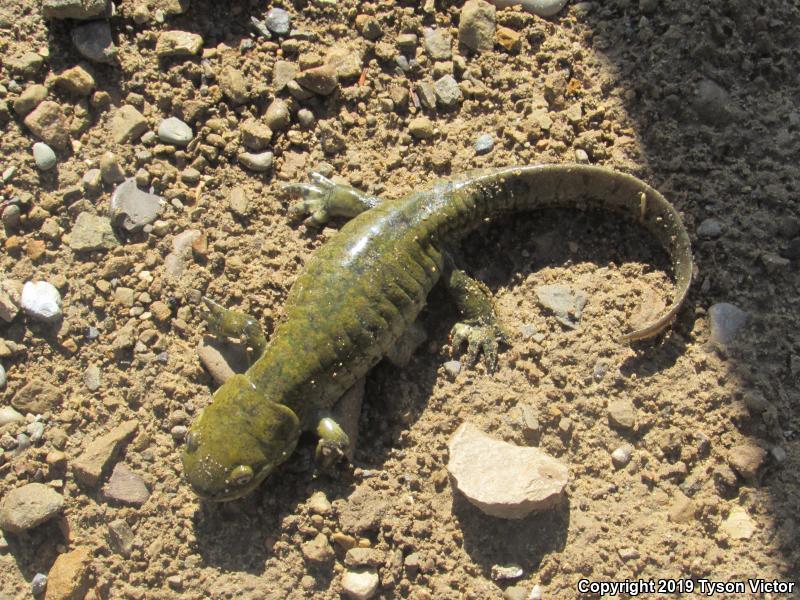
pixel 89 466
pixel 73 9
pixel 565 303
pixel 426 94
pixel 484 144
pixel 3 380
pixel 360 584
pixel 622 455
pixel 41 301
pixel 259 163
pixel 12 216
pixel 49 123
pixel 93 41
pixel 44 156
pixel 28 506
pixel 278 21
pixel 127 123
pixel 541 8
pixel 38 584
pixel 178 44
pixel 448 94
pixel 712 103
pixel 174 131
pixel 477 25
pixel 709 228
pixel 437 44
pixel 120 537
pixel 501 479
pixel 306 118
pixel 126 487
pixel 131 208
pixel 91 232
pixel 37 397
pixel 726 322
pixel 452 368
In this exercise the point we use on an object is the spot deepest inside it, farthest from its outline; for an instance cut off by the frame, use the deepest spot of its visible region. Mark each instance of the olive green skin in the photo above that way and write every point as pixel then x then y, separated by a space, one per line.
pixel 362 289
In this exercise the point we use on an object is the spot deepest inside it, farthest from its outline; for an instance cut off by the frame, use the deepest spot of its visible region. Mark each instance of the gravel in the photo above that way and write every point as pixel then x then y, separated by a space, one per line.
pixel 41 301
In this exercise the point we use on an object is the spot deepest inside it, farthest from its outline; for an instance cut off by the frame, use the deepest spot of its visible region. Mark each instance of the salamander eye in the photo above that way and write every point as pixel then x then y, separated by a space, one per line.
pixel 241 475
pixel 192 441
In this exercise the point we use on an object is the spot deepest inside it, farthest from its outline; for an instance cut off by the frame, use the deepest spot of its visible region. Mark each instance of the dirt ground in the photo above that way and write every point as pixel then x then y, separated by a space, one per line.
pixel 699 99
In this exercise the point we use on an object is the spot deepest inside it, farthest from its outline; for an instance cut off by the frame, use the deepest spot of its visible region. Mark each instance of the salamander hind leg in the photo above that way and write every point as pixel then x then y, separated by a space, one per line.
pixel 322 199
pixel 479 328
pixel 223 322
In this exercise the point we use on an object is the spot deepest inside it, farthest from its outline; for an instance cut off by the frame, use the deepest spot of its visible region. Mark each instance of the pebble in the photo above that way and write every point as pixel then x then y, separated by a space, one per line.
pixel 238 202
pixel 41 301
pixel 10 292
pixel 178 44
pixel 28 506
pixel 452 368
pixel 35 431
pixel 93 41
pixel 437 44
pixel 89 466
pixel 215 363
pixel 234 85
pixel 255 135
pixel 369 27
pixel 541 8
pixel 581 157
pixel 506 572
pixel 515 592
pixel 509 39
pixel 38 584
pixel 628 553
pixel 70 575
pixel 318 504
pixel 321 80
pixel 746 459
pixel 91 378
pixel 3 380
pixel 361 584
pixel 484 144
pixel 622 414
pixel 622 455
pixel 258 162
pixel 709 228
pixel 73 9
pixel 712 103
pixel 318 551
pixel 29 99
pixel 37 397
pixel 127 124
pixel 501 479
pixel 476 25
pixel 448 94
pixel 9 415
pixel 726 322
pixel 120 537
pixel 126 487
pixel 91 232
pixel 77 80
pixel 421 128
pixel 277 116
pixel 110 170
pixel 49 123
pixel 44 156
pixel 11 216
pixel 174 131
pixel 739 525
pixel 278 21
pixel 565 303
pixel 131 208
pixel 683 509
pixel 536 593
pixel 306 118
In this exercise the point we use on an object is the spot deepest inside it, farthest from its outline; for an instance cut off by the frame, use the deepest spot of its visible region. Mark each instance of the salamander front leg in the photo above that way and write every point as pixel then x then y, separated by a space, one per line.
pixel 333 441
pixel 479 329
pixel 223 322
pixel 323 199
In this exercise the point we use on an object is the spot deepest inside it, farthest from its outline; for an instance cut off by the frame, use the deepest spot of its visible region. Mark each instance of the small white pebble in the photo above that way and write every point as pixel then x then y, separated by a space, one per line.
pixel 41 301
pixel 622 455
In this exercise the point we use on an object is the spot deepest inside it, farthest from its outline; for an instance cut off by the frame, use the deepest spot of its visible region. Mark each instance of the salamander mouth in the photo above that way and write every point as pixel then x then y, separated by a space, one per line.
pixel 234 492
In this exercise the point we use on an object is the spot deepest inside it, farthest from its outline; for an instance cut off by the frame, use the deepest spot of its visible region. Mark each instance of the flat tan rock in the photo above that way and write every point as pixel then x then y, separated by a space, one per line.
pixel 28 506
pixel 89 466
pixel 70 575
pixel 501 479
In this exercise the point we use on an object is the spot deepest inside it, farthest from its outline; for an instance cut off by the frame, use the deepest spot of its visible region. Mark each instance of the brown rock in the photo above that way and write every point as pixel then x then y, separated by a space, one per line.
pixel 320 80
pixel 70 575
pixel 501 479
pixel 747 459
pixel 73 9
pixel 509 39
pixel 683 509
pixel 49 123
pixel 234 85
pixel 318 551
pixel 364 557
pixel 77 80
pixel 622 414
pixel 29 99
pixel 476 26
pixel 10 292
pixel 37 397
pixel 178 43
pixel 89 466
pixel 28 506
pixel 126 487
pixel 127 124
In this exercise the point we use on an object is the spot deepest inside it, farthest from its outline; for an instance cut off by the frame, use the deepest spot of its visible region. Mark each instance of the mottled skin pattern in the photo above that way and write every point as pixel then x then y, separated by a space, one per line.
pixel 365 287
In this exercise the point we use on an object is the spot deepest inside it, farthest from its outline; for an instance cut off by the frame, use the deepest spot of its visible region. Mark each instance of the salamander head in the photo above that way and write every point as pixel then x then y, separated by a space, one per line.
pixel 237 441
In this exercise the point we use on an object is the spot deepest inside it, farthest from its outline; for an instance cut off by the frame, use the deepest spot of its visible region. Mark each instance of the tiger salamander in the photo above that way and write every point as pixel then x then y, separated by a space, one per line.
pixel 362 290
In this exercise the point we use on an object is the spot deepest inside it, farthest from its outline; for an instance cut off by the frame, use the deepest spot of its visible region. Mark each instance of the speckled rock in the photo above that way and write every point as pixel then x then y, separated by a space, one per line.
pixel 278 21
pixel 501 479
pixel 91 232
pixel 28 506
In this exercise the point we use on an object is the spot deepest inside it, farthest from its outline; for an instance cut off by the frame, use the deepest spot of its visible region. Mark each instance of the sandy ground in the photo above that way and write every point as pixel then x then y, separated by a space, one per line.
pixel 625 81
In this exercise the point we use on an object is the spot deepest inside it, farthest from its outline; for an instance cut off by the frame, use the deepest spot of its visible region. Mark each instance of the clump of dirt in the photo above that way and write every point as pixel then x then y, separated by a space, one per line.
pixel 699 99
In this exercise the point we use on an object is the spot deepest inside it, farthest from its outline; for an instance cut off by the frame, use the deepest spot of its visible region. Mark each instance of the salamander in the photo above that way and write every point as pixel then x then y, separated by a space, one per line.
pixel 366 286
